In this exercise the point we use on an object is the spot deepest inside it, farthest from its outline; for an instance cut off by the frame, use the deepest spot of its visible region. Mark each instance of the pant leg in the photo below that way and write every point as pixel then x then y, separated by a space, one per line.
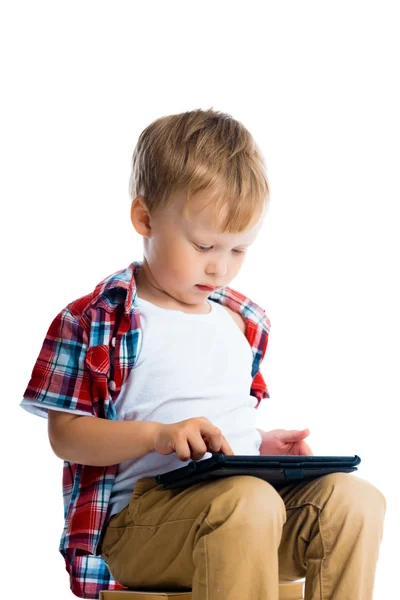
pixel 332 536
pixel 220 538
pixel 233 538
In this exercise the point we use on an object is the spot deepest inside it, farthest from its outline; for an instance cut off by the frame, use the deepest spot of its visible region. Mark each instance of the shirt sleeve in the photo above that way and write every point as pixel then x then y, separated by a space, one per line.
pixel 259 388
pixel 60 380
pixel 37 408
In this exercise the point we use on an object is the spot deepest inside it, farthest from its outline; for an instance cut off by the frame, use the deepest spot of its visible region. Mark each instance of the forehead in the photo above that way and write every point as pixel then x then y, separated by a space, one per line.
pixel 199 220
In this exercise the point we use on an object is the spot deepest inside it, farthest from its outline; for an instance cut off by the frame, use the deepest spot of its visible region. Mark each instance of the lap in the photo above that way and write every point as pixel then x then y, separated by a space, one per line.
pixel 168 523
pixel 152 504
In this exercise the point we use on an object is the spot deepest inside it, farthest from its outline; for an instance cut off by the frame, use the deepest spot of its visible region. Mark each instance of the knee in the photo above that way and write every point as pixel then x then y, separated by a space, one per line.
pixel 250 496
pixel 356 494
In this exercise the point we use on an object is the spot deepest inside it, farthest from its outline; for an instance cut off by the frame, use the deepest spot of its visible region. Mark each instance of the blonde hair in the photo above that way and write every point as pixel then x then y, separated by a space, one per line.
pixel 201 150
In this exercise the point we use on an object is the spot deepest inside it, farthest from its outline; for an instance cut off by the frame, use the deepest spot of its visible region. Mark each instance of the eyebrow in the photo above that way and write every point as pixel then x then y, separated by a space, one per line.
pixel 237 245
pixel 200 234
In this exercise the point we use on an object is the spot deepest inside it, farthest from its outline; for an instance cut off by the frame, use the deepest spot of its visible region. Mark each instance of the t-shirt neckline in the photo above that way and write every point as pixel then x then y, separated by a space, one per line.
pixel 160 309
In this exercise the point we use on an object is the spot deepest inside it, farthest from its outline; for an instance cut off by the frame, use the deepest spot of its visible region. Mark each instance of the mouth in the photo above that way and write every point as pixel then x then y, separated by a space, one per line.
pixel 207 288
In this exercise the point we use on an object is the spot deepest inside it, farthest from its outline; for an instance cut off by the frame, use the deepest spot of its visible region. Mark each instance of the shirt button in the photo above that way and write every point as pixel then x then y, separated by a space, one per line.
pixel 112 385
pixel 113 342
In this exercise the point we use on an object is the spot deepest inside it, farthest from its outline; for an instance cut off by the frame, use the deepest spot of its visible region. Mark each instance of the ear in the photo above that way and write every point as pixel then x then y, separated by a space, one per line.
pixel 140 216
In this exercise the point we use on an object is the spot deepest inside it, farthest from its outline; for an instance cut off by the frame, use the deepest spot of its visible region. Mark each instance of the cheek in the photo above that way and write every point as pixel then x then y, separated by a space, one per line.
pixel 182 260
pixel 236 264
pixel 184 257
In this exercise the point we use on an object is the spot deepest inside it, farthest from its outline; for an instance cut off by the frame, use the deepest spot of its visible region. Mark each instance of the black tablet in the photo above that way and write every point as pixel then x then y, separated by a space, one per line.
pixel 277 470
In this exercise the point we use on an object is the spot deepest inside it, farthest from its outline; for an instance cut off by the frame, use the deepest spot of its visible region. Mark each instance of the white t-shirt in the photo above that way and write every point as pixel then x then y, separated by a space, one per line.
pixel 189 365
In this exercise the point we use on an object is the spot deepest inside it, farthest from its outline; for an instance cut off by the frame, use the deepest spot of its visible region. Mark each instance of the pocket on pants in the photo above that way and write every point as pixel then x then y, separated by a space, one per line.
pixel 139 489
pixel 120 522
pixel 113 541
pixel 141 486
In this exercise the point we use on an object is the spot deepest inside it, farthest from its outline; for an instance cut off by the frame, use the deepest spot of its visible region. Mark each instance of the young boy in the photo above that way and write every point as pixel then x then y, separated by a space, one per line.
pixel 160 364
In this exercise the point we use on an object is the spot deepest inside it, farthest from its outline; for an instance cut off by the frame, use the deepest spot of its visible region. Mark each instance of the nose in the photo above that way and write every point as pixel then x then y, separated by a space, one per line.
pixel 217 267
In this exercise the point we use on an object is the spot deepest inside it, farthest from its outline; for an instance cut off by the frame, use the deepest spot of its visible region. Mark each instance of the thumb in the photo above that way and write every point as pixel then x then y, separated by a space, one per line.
pixel 294 434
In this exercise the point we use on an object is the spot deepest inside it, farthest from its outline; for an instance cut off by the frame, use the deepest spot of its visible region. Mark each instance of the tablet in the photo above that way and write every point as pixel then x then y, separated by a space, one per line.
pixel 277 470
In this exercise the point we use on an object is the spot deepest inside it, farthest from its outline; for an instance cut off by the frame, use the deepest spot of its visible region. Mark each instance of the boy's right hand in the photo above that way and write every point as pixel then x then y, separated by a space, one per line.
pixel 190 439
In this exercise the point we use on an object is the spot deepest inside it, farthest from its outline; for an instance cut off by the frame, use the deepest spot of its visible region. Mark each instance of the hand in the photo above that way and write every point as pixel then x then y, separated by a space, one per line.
pixel 283 441
pixel 190 439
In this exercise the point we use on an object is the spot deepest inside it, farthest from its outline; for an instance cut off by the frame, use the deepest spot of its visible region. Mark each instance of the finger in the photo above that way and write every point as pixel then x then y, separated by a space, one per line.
pixel 225 447
pixel 293 435
pixel 305 450
pixel 306 432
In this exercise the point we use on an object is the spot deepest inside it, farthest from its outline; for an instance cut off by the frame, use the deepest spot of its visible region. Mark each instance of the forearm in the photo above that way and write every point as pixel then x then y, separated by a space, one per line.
pixel 101 442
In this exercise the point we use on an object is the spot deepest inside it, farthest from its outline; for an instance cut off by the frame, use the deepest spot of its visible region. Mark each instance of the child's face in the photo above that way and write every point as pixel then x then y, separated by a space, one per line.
pixel 174 264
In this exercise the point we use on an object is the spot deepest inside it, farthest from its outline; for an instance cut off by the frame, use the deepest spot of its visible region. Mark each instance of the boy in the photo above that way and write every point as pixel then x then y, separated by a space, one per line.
pixel 153 369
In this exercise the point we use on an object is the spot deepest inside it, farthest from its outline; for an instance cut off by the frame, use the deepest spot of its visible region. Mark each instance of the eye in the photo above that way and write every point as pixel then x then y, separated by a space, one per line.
pixel 205 249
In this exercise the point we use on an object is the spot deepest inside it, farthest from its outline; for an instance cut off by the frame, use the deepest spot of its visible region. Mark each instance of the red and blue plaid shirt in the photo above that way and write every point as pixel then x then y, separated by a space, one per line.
pixel 87 354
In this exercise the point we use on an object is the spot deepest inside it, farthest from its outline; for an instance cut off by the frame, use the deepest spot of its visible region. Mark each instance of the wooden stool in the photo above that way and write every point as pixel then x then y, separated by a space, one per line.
pixel 287 591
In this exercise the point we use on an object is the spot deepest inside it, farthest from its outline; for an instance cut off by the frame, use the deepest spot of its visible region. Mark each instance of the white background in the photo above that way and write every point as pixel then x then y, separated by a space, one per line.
pixel 317 84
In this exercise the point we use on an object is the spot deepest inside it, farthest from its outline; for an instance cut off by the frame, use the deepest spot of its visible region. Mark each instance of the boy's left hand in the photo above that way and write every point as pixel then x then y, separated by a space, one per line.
pixel 283 441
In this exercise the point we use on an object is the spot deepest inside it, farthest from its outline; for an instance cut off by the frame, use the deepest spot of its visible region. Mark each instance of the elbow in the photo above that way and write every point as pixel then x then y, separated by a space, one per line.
pixel 55 447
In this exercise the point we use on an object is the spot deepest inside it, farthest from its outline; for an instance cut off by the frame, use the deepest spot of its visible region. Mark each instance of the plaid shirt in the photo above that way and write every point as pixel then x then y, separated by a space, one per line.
pixel 86 356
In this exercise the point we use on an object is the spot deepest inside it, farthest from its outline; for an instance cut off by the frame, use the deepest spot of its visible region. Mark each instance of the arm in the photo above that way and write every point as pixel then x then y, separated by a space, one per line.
pixel 99 442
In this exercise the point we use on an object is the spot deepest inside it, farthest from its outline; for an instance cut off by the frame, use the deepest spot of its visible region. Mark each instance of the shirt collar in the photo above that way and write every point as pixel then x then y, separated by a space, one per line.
pixel 118 288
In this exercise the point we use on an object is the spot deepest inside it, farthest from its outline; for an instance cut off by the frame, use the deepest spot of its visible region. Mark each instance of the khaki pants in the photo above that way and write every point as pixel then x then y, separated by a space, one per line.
pixel 237 537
